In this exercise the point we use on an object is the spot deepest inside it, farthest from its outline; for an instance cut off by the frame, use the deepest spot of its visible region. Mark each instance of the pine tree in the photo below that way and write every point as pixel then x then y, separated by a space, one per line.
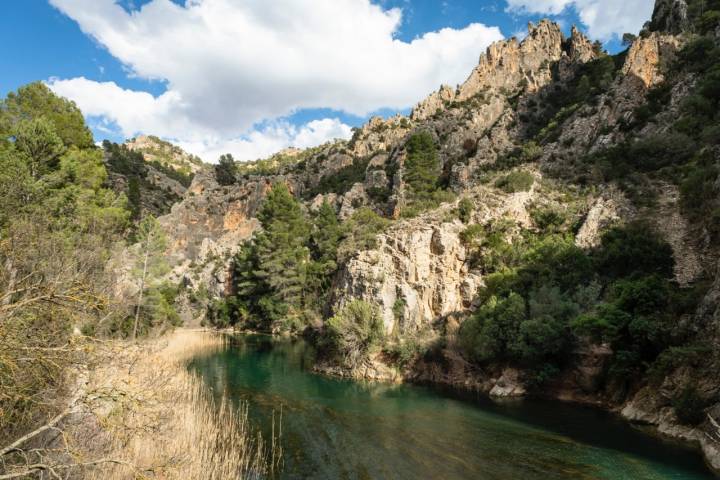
pixel 150 265
pixel 422 167
pixel 325 238
pixel 226 170
pixel 283 255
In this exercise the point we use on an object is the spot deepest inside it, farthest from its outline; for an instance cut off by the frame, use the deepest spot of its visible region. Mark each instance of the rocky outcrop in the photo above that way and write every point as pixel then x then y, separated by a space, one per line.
pixel 670 16
pixel 208 227
pixel 649 58
pixel 509 65
pixel 167 154
pixel 417 274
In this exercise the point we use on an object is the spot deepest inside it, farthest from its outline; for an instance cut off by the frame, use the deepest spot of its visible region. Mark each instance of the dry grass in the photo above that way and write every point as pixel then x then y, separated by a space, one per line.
pixel 154 419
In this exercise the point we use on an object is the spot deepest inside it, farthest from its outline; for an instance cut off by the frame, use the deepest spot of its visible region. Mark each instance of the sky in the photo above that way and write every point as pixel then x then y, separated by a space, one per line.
pixel 251 77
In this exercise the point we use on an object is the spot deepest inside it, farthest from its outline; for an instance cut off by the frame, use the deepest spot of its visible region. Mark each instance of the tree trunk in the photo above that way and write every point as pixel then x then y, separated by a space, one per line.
pixel 12 272
pixel 142 288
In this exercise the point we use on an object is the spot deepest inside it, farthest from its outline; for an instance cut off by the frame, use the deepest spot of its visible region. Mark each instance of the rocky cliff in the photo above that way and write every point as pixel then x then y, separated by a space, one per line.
pixel 542 108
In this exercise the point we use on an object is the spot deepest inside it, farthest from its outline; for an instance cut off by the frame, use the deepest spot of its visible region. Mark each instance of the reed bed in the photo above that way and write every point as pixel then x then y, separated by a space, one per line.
pixel 157 420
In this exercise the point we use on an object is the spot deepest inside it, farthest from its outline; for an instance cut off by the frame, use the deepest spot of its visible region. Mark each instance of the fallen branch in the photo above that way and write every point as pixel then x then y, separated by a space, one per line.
pixel 38 467
pixel 16 444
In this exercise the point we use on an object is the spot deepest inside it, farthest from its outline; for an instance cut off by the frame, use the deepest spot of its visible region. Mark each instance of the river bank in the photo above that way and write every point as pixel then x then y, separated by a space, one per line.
pixel 647 409
pixel 136 412
pixel 342 428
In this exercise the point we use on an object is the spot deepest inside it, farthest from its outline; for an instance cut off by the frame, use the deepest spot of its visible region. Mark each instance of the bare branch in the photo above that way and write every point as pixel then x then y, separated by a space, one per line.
pixel 17 443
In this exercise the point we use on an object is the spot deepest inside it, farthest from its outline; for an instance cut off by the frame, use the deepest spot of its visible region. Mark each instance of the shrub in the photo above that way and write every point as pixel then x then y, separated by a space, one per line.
pixel 422 166
pixel 355 331
pixel 548 220
pixel 634 249
pixel 486 335
pixel 465 209
pixel 341 181
pixel 361 231
pixel 514 182
pixel 689 406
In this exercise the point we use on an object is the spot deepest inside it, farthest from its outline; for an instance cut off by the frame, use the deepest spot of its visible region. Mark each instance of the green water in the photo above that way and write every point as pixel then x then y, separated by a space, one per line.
pixel 334 429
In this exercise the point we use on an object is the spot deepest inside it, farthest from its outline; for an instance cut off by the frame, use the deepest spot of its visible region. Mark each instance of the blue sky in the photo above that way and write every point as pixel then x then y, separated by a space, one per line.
pixel 131 70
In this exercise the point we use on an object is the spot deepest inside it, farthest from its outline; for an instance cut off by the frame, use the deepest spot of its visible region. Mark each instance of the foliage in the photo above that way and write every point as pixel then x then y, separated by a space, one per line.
pixel 58 224
pixel 341 181
pixel 548 220
pixel 518 181
pixel 360 233
pixel 35 101
pixel 37 141
pixel 542 292
pixel 226 170
pixel 355 331
pixel 689 406
pixel 634 250
pixel 182 176
pixel 324 242
pixel 149 265
pixel 422 166
pixel 465 209
pixel 124 161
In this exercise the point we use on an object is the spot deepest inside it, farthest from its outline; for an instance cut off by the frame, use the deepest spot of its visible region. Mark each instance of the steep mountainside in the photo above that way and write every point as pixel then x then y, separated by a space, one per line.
pixel 152 173
pixel 548 227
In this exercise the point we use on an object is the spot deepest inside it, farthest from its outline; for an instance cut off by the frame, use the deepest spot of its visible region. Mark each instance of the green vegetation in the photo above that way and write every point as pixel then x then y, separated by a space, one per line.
pixel 58 223
pixel 423 176
pixel 153 306
pixel 689 406
pixel 341 181
pixel 183 176
pixel 422 166
pixel 556 104
pixel 543 293
pixel 36 103
pixel 465 209
pixel 282 276
pixel 519 181
pixel 354 332
pixel 226 170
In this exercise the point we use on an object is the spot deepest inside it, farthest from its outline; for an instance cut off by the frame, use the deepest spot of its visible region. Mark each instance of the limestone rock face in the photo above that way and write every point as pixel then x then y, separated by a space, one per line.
pixel 436 102
pixel 508 385
pixel 508 65
pixel 603 213
pixel 380 135
pixel 154 149
pixel 670 16
pixel 648 57
pixel 417 274
pixel 208 226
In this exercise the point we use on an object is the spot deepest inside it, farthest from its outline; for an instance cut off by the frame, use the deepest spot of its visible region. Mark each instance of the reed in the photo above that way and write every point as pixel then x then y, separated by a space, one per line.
pixel 159 420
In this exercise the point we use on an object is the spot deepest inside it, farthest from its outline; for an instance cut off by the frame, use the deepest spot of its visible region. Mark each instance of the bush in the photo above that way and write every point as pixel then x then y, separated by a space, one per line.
pixel 514 182
pixel 355 331
pixel 341 181
pixel 634 249
pixel 361 231
pixel 548 220
pixel 689 406
pixel 485 336
pixel 465 209
pixel 422 166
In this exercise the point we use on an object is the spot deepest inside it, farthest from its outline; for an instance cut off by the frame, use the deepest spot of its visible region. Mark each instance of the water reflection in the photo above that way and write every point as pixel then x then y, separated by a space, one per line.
pixel 334 429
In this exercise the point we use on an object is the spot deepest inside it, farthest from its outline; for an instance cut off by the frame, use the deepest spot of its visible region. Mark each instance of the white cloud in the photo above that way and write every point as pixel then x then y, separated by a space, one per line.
pixel 605 19
pixel 229 65
pixel 263 142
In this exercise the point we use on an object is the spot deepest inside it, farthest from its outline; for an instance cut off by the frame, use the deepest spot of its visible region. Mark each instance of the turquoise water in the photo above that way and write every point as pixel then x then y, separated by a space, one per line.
pixel 336 429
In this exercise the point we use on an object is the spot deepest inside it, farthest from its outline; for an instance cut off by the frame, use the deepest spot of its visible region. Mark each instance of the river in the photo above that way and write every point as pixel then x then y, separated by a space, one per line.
pixel 340 429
